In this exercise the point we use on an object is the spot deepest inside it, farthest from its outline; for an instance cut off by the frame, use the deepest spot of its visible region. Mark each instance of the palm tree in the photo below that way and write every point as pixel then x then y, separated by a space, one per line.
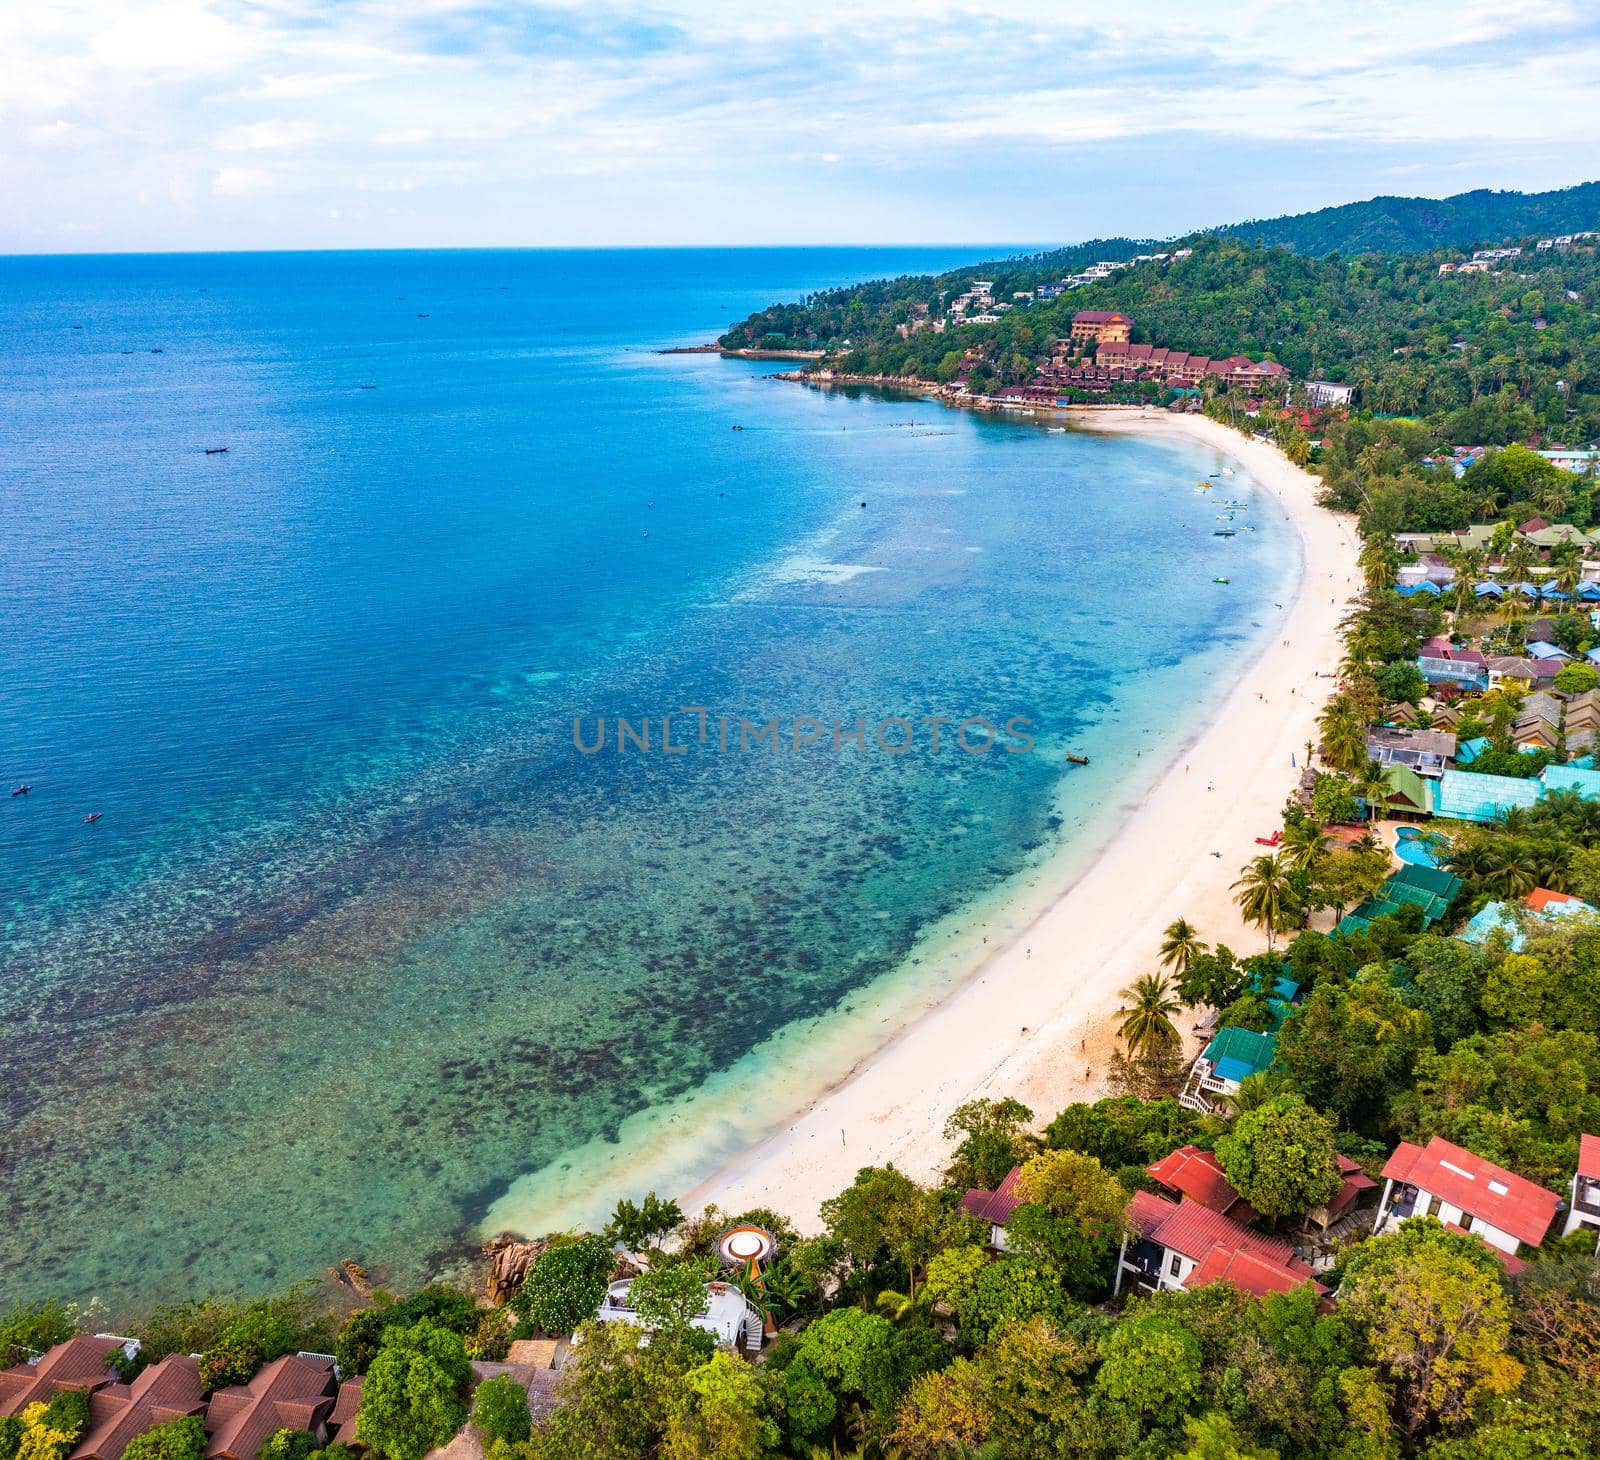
pixel 1147 1025
pixel 1344 736
pixel 1304 845
pixel 1266 896
pixel 1378 561
pixel 1371 786
pixel 1180 946
pixel 1511 871
pixel 1254 1090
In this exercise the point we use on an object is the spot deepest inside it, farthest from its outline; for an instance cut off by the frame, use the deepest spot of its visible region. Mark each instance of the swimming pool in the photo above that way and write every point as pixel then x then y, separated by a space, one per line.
pixel 1410 847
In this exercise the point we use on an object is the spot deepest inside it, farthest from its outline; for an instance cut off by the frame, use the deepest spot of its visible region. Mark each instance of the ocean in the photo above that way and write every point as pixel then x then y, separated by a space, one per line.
pixel 372 950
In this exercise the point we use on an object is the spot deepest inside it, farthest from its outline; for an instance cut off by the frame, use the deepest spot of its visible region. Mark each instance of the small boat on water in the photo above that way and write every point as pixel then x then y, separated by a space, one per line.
pixel 1224 532
pixel 1219 580
pixel 1077 759
pixel 216 451
pixel 93 817
pixel 21 790
pixel 1202 486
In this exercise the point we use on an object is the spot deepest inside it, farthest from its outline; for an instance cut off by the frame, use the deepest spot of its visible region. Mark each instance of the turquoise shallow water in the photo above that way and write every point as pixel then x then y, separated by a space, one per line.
pixel 362 940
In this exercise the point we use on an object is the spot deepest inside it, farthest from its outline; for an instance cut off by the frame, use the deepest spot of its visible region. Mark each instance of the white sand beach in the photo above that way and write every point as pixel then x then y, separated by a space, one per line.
pixel 1036 1020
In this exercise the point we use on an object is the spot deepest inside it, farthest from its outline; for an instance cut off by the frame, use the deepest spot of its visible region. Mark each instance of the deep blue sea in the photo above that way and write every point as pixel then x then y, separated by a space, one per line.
pixel 362 942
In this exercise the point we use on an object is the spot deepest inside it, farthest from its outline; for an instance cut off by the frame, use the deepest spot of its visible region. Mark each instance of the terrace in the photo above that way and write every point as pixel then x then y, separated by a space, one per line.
pixel 726 1313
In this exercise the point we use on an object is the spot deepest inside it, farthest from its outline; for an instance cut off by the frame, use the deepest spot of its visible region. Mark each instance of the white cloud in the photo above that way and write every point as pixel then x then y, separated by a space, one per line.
pixel 472 104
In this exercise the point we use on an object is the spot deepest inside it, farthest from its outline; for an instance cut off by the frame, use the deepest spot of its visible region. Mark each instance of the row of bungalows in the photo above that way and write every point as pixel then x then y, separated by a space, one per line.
pixel 1197 1229
pixel 1178 367
pixel 296 1392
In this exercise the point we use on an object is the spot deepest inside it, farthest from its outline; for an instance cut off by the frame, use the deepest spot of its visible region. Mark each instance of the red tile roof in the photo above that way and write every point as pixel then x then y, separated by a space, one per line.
pixel 1356 1181
pixel 994 1206
pixel 1478 1187
pixel 163 1392
pixel 345 1409
pixel 1193 1230
pixel 79 1363
pixel 1589 1157
pixel 1249 1273
pixel 1198 1174
pixel 290 1393
pixel 1542 897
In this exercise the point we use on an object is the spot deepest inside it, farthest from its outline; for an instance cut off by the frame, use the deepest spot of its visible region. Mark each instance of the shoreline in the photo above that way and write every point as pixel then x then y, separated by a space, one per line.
pixel 1047 1040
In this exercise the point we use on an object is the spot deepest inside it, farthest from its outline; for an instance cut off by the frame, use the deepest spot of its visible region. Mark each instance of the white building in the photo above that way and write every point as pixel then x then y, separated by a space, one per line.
pixel 1584 1208
pixel 1463 1190
pixel 1329 393
pixel 727 1314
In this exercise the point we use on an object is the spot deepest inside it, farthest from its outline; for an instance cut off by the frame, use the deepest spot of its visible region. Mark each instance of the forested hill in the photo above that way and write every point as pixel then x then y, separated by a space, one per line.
pixel 1415 225
pixel 1384 225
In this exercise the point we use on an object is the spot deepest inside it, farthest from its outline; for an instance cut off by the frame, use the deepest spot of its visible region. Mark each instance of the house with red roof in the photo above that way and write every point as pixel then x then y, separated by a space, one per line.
pixel 1101 326
pixel 118 1412
pixel 1584 1208
pixel 1198 1175
pixel 994 1207
pixel 1354 1183
pixel 79 1363
pixel 291 1393
pixel 1463 1190
pixel 1180 1244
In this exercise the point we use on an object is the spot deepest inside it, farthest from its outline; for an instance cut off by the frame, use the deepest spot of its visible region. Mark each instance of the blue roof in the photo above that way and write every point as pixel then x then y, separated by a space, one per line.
pixel 1572 778
pixel 1236 1053
pixel 1469 750
pixel 1454 670
pixel 1489 919
pixel 1489 590
pixel 1590 591
pixel 1554 593
pixel 1544 649
pixel 1468 796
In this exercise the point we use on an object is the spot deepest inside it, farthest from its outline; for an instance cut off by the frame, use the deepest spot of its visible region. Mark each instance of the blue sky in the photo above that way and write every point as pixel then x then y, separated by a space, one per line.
pixel 147 124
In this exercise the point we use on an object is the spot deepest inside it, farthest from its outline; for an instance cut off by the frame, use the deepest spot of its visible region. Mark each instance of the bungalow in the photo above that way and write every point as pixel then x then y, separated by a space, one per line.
pixel 1472 796
pixel 1540 649
pixel 1500 917
pixel 1424 751
pixel 1453 672
pixel 1198 1175
pixel 1232 1056
pixel 1354 1183
pixel 1584 1208
pixel 296 1392
pixel 1463 1190
pixel 1173 1245
pixel 79 1363
pixel 727 1314
pixel 118 1412
pixel 1430 888
pixel 994 1207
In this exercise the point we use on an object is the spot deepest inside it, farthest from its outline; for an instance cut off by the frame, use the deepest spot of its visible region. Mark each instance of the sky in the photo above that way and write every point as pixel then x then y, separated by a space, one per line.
pixel 230 124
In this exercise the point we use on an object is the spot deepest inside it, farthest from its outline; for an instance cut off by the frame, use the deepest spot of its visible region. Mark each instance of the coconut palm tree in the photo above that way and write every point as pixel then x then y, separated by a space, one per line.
pixel 1265 895
pixel 1304 845
pixel 1254 1090
pixel 1511 872
pixel 1180 946
pixel 1147 1025
pixel 1371 786
pixel 1378 562
pixel 1344 734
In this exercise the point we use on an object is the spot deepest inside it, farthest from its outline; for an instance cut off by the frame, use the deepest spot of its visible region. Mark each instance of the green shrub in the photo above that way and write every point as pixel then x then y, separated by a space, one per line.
pixel 564 1287
pixel 288 1445
pixel 501 1411
pixel 183 1438
pixel 31 1328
